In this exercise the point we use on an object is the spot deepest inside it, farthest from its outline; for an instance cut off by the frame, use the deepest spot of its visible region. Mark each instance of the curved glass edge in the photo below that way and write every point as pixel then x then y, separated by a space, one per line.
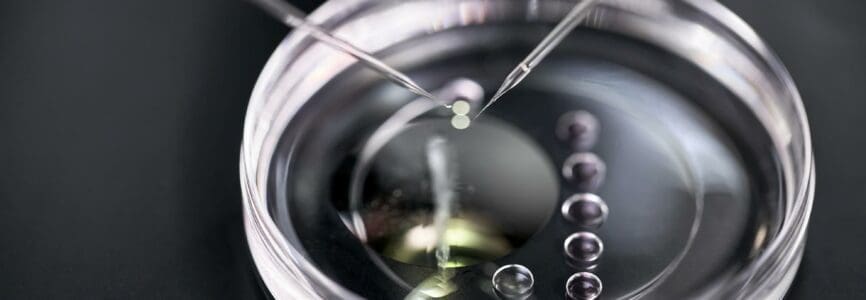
pixel 287 273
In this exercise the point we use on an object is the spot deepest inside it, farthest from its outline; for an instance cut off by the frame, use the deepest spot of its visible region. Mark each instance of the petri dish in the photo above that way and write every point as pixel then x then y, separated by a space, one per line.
pixel 697 173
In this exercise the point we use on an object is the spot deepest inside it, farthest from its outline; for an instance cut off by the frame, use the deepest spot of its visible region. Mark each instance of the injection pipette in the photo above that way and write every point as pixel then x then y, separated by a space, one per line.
pixel 562 29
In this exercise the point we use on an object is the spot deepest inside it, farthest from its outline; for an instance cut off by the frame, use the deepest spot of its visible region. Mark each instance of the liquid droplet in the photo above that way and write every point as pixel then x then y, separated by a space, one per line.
pixel 584 170
pixel 583 286
pixel 583 246
pixel 585 210
pixel 513 281
pixel 579 129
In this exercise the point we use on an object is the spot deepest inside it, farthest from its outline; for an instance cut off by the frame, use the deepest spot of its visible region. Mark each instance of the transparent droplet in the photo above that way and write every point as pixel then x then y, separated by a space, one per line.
pixel 579 129
pixel 583 286
pixel 513 281
pixel 585 171
pixel 583 246
pixel 585 209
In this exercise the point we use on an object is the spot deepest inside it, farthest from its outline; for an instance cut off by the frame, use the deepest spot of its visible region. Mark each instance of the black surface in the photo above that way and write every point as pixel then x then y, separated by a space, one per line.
pixel 120 123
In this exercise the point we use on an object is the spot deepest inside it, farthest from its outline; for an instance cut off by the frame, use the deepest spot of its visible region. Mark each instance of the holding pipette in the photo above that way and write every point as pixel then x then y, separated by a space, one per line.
pixel 295 18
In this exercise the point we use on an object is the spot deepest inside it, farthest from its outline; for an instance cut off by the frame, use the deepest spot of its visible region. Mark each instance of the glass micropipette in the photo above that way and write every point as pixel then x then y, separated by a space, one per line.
pixel 562 29
pixel 296 18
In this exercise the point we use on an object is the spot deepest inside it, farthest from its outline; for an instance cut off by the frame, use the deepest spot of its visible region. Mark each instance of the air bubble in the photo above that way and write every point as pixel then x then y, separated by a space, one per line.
pixel 513 281
pixel 579 129
pixel 584 247
pixel 584 170
pixel 587 210
pixel 583 286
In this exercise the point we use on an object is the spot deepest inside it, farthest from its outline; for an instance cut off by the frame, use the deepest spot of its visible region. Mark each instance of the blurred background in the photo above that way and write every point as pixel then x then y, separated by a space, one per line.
pixel 120 126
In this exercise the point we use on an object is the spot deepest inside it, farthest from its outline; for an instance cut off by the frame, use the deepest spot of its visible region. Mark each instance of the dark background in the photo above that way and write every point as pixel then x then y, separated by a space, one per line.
pixel 120 125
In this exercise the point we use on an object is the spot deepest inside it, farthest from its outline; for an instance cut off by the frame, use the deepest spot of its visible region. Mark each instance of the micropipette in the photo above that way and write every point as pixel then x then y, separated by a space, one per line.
pixel 562 29
pixel 296 18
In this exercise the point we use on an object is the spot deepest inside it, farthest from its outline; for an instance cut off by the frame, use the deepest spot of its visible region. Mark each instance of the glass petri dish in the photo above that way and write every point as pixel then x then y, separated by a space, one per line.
pixel 701 136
